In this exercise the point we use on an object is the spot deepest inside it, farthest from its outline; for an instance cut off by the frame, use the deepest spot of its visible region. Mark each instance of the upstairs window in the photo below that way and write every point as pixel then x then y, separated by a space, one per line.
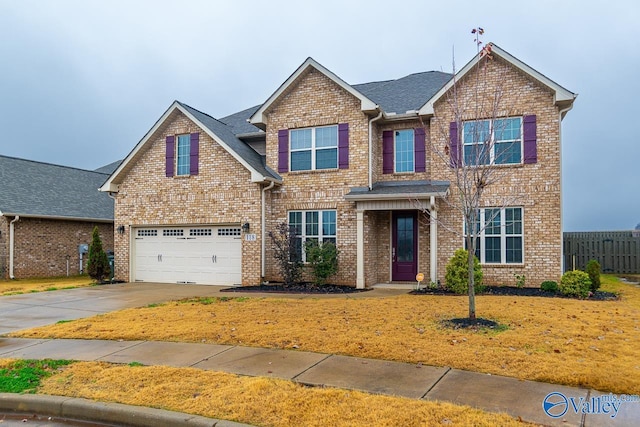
pixel 404 150
pixel 314 148
pixel 183 155
pixel 496 142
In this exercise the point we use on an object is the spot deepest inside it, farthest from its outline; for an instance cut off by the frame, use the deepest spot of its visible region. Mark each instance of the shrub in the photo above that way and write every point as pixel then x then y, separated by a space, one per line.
pixel 549 286
pixel 575 283
pixel 593 270
pixel 286 252
pixel 457 277
pixel 98 266
pixel 322 259
pixel 520 280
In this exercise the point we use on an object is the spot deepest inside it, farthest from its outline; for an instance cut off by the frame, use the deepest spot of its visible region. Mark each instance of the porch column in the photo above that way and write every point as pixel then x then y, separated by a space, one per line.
pixel 433 228
pixel 360 249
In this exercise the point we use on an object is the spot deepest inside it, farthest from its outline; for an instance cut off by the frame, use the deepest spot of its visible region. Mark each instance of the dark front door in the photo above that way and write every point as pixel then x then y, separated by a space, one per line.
pixel 404 246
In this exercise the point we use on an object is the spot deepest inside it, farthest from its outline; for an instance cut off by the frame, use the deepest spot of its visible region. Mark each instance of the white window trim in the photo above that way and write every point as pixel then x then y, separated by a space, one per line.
pixel 313 148
pixel 503 236
pixel 188 137
pixel 492 142
pixel 395 151
pixel 320 236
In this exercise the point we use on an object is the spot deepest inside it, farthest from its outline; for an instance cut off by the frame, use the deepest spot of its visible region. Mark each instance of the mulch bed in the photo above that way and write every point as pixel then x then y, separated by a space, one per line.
pixel 312 288
pixel 298 288
pixel 471 324
pixel 514 291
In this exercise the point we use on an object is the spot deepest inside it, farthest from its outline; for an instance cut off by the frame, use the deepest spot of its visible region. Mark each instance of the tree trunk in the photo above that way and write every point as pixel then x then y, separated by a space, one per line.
pixel 472 286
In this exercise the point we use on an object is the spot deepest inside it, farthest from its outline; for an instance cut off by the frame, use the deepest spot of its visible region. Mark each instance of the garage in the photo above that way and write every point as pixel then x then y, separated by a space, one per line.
pixel 206 255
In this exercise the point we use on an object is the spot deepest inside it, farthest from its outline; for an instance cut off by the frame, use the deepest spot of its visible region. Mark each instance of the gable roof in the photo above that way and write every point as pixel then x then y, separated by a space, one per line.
pixel 397 96
pixel 218 131
pixel 34 189
pixel 366 104
pixel 562 97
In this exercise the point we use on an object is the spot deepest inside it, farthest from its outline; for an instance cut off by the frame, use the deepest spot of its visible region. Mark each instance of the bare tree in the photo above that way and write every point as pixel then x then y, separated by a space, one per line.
pixel 480 138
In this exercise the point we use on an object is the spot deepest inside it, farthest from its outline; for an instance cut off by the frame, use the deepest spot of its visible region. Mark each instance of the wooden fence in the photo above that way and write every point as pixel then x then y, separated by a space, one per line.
pixel 616 251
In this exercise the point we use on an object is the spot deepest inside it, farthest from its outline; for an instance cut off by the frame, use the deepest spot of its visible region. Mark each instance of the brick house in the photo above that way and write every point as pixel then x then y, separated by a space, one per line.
pixel 349 164
pixel 46 212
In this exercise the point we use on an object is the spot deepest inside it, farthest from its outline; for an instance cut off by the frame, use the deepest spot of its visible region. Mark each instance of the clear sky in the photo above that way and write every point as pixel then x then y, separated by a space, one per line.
pixel 82 81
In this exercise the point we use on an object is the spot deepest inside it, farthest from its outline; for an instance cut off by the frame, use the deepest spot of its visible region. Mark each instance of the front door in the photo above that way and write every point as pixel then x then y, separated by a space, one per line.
pixel 404 246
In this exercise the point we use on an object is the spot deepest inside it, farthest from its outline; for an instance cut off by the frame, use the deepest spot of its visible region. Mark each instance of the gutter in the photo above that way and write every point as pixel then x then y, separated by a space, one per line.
pixel 63 218
pixel 263 230
pixel 11 245
pixel 378 117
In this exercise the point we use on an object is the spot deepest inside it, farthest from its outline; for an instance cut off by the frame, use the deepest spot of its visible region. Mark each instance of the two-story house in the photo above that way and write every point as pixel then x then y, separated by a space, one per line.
pixel 356 165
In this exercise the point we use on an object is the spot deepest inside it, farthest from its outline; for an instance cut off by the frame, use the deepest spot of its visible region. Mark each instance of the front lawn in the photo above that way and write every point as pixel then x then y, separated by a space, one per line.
pixel 255 400
pixel 573 342
pixel 23 286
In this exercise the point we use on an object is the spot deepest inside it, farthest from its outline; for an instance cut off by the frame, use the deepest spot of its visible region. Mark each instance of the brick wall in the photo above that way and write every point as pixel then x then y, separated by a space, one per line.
pixel 534 187
pixel 315 100
pixel 42 246
pixel 221 193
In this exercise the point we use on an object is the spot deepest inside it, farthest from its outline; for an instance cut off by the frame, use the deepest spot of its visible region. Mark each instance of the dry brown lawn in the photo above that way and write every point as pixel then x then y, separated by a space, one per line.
pixel 565 341
pixel 258 401
pixel 23 286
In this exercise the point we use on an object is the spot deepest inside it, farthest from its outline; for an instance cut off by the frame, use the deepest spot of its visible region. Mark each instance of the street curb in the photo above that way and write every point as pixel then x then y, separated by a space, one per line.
pixel 102 412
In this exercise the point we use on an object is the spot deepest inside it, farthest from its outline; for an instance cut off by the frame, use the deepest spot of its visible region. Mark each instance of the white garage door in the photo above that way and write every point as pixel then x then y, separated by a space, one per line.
pixel 208 255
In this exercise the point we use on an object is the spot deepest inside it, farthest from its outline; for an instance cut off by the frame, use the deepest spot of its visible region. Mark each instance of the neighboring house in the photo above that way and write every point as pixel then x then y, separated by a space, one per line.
pixel 349 164
pixel 46 213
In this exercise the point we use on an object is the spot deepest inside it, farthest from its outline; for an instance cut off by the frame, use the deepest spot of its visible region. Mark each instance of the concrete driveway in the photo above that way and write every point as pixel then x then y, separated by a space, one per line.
pixel 44 308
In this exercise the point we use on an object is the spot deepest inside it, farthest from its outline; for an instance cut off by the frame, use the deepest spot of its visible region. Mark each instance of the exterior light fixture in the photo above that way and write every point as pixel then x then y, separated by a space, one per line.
pixel 245 227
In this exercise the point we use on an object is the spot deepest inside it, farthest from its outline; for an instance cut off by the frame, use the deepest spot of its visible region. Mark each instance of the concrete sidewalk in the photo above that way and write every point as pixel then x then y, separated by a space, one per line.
pixel 522 399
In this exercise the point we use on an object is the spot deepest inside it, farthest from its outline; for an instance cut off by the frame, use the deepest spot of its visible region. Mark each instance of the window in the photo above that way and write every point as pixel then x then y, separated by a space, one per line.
pixel 319 226
pixel 314 148
pixel 184 154
pixel 229 232
pixel 500 241
pixel 200 232
pixel 173 232
pixel 496 141
pixel 404 150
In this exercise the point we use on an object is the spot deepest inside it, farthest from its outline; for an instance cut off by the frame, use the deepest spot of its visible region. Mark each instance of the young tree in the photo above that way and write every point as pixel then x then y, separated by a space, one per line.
pixel 474 113
pixel 98 266
pixel 286 247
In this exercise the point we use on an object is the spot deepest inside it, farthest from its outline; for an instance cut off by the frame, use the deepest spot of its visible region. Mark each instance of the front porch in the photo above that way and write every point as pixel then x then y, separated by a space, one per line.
pixel 392 222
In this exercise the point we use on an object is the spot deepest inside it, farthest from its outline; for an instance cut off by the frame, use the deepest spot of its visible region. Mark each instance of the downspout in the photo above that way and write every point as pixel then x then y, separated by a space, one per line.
pixel 561 115
pixel 11 245
pixel 378 117
pixel 263 230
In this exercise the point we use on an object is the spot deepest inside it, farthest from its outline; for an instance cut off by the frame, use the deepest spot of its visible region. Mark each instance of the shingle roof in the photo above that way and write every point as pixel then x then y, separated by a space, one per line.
pixel 399 190
pixel 238 121
pixel 44 190
pixel 405 94
pixel 110 168
pixel 227 135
